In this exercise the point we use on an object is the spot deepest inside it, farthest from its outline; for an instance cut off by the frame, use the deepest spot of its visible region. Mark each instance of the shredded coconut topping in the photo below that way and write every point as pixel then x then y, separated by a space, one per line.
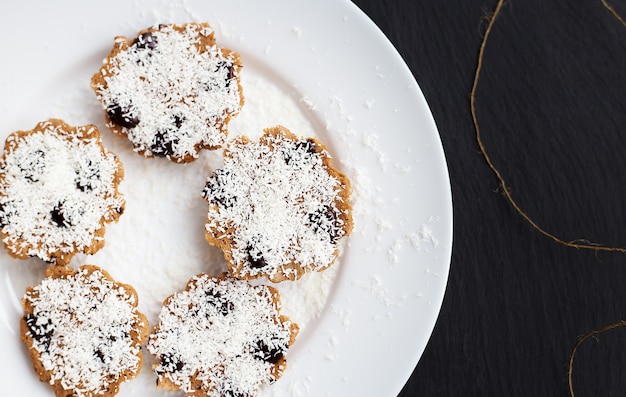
pixel 279 205
pixel 82 326
pixel 57 187
pixel 169 91
pixel 222 336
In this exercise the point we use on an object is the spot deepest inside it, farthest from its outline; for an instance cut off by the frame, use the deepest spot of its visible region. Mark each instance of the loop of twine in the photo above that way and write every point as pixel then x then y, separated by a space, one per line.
pixel 579 244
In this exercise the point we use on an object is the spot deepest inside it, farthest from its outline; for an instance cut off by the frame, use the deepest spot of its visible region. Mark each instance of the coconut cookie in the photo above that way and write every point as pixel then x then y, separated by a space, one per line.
pixel 221 337
pixel 171 91
pixel 83 331
pixel 58 189
pixel 277 207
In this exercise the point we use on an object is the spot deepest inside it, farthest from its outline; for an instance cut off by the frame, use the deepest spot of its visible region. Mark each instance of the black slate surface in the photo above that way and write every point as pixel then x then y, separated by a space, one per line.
pixel 551 105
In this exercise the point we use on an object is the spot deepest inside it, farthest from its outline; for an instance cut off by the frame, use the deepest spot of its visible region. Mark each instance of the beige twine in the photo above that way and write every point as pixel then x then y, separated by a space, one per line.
pixel 580 244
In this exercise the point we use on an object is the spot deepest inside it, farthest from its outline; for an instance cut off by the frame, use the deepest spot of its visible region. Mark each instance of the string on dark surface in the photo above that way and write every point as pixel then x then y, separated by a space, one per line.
pixel 579 342
pixel 579 244
pixel 612 11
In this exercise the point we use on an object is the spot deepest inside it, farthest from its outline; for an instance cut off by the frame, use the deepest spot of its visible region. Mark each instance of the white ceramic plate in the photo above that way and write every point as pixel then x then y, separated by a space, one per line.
pixel 320 68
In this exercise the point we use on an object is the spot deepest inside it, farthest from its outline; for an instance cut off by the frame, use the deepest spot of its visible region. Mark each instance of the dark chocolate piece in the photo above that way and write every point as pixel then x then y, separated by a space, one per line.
pixel 123 116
